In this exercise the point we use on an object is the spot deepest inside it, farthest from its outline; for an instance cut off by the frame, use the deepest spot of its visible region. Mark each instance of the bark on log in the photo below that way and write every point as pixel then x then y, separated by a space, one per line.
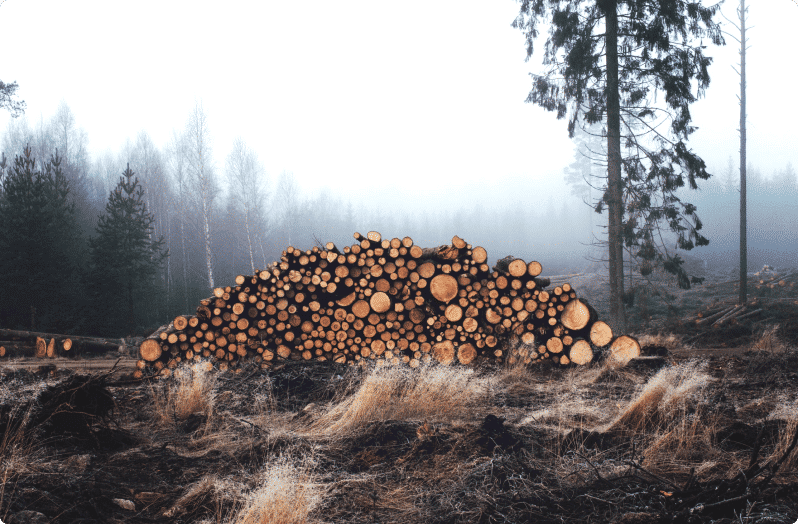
pixel 511 265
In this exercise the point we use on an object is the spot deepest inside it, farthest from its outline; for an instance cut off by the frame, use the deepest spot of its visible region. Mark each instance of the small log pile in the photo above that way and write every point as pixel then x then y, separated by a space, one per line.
pixel 392 300
pixel 14 343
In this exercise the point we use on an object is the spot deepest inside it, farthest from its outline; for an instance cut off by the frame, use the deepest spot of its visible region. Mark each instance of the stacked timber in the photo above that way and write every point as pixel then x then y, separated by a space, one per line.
pixel 390 300
pixel 14 343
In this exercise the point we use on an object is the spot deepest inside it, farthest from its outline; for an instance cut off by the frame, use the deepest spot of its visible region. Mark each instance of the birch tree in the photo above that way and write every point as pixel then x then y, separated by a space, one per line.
pixel 288 201
pixel 202 176
pixel 246 178
pixel 178 168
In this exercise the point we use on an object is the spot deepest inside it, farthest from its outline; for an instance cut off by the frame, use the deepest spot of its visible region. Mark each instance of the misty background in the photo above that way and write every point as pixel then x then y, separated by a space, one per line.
pixel 318 120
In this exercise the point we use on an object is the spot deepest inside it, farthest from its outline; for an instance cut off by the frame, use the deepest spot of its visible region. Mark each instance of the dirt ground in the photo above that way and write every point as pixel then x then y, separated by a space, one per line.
pixel 544 445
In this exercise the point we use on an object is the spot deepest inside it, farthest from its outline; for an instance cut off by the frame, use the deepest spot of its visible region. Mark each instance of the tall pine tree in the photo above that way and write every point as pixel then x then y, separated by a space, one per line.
pixel 606 60
pixel 38 246
pixel 125 258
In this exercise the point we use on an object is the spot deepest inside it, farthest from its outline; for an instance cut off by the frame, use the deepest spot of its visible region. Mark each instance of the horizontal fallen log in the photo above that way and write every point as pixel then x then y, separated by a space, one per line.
pixel 63 343
pixel 714 316
pixel 749 314
pixel 728 315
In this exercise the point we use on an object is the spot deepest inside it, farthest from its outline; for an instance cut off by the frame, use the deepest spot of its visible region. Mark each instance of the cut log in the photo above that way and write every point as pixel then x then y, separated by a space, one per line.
pixel 444 288
pixel 623 349
pixel 466 353
pixel 51 348
pixel 575 315
pixel 361 309
pixel 600 333
pixel 581 353
pixel 443 352
pixel 534 268
pixel 453 313
pixel 513 266
pixel 41 348
pixel 380 302
pixel 554 345
pixel 479 255
pixel 714 316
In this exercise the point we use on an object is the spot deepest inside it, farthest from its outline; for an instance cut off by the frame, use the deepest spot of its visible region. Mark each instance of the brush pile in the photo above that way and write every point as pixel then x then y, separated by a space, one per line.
pixel 391 300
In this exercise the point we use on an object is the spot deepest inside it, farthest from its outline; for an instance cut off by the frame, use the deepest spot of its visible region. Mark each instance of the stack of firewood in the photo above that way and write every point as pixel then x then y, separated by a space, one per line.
pixel 391 300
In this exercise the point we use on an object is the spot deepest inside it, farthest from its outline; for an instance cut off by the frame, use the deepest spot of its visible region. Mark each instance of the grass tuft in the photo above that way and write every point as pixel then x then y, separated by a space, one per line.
pixel 666 396
pixel 188 391
pixel 287 495
pixel 208 492
pixel 788 413
pixel 769 341
pixel 433 392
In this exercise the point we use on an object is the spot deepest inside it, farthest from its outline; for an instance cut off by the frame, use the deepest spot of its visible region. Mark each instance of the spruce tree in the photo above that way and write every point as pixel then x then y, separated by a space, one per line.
pixel 125 257
pixel 38 245
pixel 606 61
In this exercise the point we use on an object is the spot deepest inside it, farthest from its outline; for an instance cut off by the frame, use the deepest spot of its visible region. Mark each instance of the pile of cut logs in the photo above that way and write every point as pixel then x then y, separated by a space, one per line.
pixel 14 343
pixel 392 300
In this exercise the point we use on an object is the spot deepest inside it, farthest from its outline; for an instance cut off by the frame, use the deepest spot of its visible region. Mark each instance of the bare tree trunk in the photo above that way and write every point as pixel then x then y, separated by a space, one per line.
pixel 185 258
pixel 743 298
pixel 617 316
pixel 249 240
pixel 208 252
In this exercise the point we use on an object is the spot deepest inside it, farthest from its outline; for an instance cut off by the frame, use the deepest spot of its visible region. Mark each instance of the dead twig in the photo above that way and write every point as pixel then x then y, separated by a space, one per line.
pixel 652 475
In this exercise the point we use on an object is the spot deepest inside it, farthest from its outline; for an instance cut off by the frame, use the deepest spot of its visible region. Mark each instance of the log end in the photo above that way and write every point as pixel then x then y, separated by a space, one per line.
pixel 466 353
pixel 623 349
pixel 443 352
pixel 150 350
pixel 444 288
pixel 576 315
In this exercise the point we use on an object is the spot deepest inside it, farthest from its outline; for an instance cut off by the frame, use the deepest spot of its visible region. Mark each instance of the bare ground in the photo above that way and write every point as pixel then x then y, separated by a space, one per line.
pixel 539 445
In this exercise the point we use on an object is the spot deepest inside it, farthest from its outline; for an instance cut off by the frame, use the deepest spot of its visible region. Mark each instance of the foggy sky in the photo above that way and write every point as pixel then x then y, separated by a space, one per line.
pixel 416 102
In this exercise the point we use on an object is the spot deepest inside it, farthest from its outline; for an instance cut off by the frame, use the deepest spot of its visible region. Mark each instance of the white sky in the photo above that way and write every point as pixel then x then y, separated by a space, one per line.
pixel 421 100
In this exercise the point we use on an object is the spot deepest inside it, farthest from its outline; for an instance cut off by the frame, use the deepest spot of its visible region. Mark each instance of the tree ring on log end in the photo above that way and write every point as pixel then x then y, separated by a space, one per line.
pixel 444 288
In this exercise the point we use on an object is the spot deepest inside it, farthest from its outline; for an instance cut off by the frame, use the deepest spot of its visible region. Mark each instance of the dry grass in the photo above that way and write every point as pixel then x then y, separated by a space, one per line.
pixel 287 494
pixel 221 494
pixel 670 341
pixel 665 397
pixel 769 341
pixel 789 413
pixel 188 391
pixel 433 393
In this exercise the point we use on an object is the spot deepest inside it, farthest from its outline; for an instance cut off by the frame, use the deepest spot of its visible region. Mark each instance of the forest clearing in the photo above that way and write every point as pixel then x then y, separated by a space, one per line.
pixel 700 428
